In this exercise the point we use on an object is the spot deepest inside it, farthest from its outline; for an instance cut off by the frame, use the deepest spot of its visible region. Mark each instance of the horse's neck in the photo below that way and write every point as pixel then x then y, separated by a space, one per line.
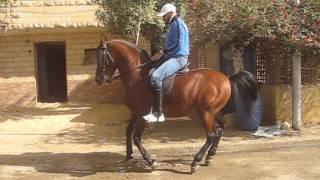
pixel 130 72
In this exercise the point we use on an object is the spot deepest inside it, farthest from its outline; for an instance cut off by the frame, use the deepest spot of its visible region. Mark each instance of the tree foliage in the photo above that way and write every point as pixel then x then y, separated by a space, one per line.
pixel 3 2
pixel 277 20
pixel 3 7
pixel 254 20
pixel 126 18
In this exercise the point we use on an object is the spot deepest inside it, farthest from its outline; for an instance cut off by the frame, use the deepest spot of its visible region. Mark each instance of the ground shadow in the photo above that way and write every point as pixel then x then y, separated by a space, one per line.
pixel 17 113
pixel 85 164
pixel 101 132
pixel 106 123
pixel 74 164
pixel 114 133
pixel 20 100
pixel 89 91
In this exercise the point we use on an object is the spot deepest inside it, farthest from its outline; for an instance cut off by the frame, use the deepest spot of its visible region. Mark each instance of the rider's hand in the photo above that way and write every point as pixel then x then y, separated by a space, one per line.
pixel 157 56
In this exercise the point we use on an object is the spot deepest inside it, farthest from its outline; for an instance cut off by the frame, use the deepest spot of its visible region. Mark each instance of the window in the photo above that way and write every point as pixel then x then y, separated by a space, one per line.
pixel 90 56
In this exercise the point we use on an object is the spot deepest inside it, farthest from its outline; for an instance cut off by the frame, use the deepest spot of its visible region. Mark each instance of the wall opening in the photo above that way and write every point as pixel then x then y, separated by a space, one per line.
pixel 51 71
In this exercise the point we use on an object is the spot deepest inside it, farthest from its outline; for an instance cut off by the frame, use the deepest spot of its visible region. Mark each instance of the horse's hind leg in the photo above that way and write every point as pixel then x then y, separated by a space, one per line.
pixel 203 150
pixel 137 141
pixel 214 146
pixel 219 126
pixel 209 125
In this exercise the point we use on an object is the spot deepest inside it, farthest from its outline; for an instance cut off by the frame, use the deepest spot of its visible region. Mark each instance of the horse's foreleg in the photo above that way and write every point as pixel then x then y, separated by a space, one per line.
pixel 213 149
pixel 129 132
pixel 137 141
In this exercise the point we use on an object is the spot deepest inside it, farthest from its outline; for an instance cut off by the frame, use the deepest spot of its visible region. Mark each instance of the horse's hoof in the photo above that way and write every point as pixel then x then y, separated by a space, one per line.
pixel 128 158
pixel 208 161
pixel 154 165
pixel 125 160
pixel 194 167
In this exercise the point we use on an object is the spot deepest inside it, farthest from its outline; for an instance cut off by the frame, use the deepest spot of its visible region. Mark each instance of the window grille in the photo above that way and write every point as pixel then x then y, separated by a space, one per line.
pixel 90 56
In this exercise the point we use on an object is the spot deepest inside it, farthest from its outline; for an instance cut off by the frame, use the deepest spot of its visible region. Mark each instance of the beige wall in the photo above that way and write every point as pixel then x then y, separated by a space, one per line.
pixel 23 14
pixel 17 60
pixel 31 21
pixel 277 104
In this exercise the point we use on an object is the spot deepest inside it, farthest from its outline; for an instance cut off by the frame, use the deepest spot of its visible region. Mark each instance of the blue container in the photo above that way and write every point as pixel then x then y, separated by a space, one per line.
pixel 250 120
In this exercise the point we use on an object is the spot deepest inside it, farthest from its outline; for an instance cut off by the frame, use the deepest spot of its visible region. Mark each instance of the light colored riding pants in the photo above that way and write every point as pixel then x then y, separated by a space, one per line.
pixel 168 68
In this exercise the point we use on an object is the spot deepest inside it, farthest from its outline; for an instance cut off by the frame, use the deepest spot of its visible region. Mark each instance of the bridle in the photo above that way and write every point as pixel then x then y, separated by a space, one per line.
pixel 107 52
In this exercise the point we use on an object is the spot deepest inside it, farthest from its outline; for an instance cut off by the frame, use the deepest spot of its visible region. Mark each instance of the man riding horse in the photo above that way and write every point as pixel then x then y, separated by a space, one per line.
pixel 200 93
pixel 175 54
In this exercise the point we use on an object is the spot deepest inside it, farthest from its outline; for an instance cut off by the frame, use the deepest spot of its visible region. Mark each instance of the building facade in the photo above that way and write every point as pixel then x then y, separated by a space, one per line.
pixel 273 71
pixel 47 49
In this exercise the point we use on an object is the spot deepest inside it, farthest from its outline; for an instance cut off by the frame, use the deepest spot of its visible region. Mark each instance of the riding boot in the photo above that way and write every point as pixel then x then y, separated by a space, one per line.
pixel 158 106
pixel 156 115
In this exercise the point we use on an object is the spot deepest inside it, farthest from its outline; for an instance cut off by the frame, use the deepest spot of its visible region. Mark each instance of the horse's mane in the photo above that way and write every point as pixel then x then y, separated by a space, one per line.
pixel 144 55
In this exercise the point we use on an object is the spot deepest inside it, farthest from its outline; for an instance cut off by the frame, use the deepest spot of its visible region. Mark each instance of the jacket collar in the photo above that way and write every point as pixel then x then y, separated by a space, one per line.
pixel 174 18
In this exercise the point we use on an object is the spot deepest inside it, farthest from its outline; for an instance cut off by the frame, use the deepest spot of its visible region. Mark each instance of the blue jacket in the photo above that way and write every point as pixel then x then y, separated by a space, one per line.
pixel 177 40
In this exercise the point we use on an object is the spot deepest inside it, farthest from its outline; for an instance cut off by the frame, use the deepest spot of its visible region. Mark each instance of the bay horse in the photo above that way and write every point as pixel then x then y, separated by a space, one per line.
pixel 204 91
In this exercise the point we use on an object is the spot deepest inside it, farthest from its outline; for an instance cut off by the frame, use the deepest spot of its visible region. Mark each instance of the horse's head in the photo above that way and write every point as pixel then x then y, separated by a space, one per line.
pixel 105 63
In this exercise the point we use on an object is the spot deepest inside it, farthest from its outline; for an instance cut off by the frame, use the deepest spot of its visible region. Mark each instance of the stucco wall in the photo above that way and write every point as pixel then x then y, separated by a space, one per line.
pixel 31 21
pixel 18 59
pixel 277 101
pixel 23 14
pixel 17 63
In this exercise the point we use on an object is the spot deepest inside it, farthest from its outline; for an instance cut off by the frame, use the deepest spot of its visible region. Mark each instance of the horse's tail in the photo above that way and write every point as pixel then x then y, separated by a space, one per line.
pixel 246 96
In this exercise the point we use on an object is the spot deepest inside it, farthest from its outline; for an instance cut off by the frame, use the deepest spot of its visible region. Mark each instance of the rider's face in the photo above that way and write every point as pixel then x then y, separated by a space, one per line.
pixel 166 18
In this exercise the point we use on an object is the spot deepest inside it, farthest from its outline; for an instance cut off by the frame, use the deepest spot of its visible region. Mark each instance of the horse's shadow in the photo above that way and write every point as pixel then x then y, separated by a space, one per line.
pixel 85 164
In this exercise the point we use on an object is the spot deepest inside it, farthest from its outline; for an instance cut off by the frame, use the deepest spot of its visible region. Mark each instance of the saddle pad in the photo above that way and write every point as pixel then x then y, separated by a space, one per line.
pixel 168 83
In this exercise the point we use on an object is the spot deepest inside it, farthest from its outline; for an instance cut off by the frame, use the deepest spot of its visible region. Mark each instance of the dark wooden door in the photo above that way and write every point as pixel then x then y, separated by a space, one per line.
pixel 51 71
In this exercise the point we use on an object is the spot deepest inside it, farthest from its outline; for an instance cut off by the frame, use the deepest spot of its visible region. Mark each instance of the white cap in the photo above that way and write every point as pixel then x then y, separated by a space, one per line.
pixel 167 8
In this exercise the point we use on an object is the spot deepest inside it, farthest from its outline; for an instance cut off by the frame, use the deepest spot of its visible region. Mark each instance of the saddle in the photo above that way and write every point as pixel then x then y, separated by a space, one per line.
pixel 168 83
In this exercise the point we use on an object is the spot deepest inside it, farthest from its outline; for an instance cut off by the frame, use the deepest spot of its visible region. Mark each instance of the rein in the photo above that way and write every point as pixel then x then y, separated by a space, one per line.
pixel 137 67
pixel 118 76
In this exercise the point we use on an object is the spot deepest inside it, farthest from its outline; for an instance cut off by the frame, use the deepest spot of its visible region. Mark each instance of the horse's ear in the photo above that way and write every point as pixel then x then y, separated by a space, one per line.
pixel 104 38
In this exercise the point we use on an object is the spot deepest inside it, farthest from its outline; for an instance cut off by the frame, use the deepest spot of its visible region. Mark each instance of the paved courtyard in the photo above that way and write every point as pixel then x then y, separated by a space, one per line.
pixel 71 141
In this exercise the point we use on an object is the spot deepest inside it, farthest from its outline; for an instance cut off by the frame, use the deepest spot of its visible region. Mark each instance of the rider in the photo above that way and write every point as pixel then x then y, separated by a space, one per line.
pixel 175 53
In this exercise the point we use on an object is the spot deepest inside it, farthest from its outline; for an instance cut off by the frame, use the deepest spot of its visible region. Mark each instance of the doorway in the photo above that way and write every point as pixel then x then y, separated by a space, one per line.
pixel 51 71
